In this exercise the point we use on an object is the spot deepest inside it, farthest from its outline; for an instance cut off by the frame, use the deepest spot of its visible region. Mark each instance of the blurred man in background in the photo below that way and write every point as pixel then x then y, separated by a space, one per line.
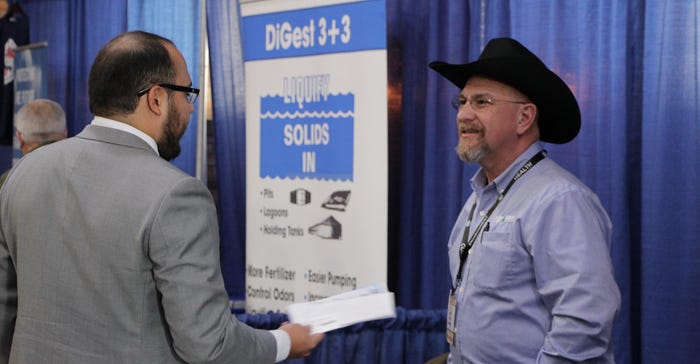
pixel 38 123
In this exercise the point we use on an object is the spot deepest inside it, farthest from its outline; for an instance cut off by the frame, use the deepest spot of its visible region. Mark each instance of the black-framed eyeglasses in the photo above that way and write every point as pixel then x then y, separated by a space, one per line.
pixel 479 102
pixel 192 93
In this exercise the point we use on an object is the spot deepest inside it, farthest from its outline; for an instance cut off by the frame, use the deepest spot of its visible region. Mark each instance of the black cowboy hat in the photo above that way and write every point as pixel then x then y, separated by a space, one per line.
pixel 507 61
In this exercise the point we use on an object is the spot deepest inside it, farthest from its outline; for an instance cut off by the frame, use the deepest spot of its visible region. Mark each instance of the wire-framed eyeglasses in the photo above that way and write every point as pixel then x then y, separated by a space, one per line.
pixel 479 102
pixel 192 93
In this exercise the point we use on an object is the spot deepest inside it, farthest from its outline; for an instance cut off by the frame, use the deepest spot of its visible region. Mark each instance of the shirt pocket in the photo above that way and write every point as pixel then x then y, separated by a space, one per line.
pixel 493 260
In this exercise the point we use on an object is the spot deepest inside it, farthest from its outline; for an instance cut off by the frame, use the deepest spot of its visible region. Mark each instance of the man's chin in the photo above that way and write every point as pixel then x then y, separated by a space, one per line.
pixel 470 155
pixel 169 153
pixel 170 157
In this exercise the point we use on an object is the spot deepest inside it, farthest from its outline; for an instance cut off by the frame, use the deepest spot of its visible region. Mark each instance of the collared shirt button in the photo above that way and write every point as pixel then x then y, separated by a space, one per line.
pixel 482 213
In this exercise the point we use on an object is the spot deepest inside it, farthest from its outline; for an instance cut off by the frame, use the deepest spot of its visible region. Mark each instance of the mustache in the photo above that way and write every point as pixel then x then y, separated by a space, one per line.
pixel 469 128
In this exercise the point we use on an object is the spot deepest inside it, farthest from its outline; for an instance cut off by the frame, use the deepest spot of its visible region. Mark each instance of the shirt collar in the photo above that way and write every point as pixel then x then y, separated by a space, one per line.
pixel 478 180
pixel 109 123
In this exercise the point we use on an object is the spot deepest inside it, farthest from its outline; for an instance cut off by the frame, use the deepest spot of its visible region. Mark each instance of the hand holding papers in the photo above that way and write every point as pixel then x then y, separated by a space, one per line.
pixel 373 302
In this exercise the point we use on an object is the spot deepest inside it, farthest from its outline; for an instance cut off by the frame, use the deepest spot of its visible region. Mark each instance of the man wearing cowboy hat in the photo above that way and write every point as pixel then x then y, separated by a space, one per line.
pixel 532 278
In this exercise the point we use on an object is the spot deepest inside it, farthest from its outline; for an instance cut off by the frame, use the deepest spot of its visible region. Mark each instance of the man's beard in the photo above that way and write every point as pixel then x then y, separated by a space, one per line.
pixel 474 154
pixel 169 142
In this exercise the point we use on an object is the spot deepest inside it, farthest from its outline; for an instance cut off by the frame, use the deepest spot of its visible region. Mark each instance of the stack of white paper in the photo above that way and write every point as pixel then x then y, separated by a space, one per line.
pixel 345 309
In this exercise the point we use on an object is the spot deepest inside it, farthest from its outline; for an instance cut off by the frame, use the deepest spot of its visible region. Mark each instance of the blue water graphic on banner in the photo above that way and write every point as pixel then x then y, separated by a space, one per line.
pixel 327 29
pixel 313 140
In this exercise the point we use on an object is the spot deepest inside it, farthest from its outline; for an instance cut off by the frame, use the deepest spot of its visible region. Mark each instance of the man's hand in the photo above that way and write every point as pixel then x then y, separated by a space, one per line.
pixel 301 339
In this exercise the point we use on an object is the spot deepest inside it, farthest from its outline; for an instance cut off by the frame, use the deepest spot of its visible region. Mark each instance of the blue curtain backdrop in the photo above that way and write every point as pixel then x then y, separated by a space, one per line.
pixel 76 30
pixel 632 64
pixel 228 104
pixel 669 260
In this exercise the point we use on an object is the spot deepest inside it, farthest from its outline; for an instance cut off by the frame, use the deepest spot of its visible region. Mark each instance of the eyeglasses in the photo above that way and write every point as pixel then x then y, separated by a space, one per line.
pixel 479 102
pixel 192 92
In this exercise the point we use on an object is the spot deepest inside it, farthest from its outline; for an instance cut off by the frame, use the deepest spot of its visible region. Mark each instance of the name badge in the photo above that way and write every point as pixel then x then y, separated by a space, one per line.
pixel 451 310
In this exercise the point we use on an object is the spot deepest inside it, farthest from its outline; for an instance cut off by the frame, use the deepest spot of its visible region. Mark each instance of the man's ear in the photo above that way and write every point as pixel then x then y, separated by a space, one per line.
pixel 20 139
pixel 526 117
pixel 155 99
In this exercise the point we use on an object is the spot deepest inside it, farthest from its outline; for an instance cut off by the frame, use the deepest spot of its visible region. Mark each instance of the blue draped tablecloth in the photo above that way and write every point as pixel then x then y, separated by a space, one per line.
pixel 413 336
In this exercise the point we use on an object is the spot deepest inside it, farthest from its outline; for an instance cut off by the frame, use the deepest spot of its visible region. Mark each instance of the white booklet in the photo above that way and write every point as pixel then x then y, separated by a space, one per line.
pixel 373 302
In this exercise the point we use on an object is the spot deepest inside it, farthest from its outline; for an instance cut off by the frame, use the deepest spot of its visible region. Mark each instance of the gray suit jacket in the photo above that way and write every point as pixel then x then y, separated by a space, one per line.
pixel 109 254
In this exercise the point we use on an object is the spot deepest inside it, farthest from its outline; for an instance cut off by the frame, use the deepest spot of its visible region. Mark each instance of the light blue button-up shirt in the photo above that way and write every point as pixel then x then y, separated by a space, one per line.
pixel 538 286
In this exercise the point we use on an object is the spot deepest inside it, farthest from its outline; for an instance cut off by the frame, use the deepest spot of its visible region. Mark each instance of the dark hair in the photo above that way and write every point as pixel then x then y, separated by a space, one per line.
pixel 128 63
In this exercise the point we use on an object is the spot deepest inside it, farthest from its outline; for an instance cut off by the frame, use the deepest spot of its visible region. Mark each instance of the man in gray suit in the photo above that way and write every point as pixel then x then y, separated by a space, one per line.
pixel 108 253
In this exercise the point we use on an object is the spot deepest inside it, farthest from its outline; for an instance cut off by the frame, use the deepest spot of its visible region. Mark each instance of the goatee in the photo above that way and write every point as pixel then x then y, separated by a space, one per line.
pixel 474 154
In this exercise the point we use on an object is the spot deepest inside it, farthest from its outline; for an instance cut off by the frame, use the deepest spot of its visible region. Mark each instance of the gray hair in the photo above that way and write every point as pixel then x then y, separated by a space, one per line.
pixel 41 121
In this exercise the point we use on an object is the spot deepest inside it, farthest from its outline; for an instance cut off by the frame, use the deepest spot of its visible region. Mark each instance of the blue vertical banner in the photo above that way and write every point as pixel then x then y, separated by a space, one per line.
pixel 316 149
pixel 30 81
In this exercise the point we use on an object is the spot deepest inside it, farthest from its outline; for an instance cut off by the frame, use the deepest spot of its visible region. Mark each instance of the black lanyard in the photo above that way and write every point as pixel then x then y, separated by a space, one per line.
pixel 468 243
